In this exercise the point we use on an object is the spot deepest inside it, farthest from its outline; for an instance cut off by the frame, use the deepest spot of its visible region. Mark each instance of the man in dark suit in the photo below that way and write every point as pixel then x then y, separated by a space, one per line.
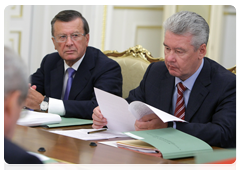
pixel 15 93
pixel 208 103
pixel 90 68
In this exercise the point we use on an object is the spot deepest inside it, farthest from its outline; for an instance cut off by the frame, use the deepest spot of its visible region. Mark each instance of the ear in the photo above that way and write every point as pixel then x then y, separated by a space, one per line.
pixel 11 103
pixel 202 51
pixel 12 109
pixel 87 38
pixel 54 43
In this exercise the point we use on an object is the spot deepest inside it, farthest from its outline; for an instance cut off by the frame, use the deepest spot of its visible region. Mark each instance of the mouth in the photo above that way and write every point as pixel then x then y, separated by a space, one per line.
pixel 69 51
pixel 171 67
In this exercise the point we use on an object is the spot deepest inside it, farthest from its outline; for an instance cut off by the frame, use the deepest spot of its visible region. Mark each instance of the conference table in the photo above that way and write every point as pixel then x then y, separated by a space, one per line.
pixel 76 151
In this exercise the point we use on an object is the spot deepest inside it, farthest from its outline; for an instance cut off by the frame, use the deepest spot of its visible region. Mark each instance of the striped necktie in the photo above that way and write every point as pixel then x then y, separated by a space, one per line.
pixel 70 71
pixel 180 106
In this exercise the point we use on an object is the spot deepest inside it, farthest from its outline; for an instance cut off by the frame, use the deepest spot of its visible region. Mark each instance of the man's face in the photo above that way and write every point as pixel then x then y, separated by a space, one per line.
pixel 70 51
pixel 181 59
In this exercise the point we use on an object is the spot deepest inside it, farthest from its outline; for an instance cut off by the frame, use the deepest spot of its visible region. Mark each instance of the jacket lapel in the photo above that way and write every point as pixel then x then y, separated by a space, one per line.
pixel 199 91
pixel 56 80
pixel 82 75
pixel 166 91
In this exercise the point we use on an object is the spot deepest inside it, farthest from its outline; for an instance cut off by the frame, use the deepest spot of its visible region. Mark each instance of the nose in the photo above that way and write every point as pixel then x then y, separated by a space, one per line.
pixel 69 41
pixel 170 57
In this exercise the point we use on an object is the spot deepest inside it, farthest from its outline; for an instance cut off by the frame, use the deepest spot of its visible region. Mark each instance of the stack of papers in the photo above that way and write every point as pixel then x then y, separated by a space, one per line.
pixel 70 122
pixel 32 118
pixel 139 146
pixel 171 142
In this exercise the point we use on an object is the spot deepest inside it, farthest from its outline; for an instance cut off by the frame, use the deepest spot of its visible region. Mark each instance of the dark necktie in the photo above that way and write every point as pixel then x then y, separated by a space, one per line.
pixel 180 106
pixel 70 71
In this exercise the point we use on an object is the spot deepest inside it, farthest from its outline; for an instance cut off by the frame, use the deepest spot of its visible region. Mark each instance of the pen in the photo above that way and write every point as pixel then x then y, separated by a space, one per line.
pixel 101 130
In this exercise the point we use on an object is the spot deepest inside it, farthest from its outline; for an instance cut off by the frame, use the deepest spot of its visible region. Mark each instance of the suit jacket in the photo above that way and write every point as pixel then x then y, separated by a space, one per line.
pixel 211 109
pixel 96 70
pixel 13 154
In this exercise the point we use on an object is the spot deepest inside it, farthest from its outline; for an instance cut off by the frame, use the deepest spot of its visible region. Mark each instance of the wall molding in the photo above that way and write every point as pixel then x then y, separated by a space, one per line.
pixel 20 11
pixel 12 40
pixel 104 28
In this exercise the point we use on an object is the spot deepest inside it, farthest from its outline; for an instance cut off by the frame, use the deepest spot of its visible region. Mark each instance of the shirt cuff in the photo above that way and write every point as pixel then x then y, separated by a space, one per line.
pixel 172 124
pixel 56 106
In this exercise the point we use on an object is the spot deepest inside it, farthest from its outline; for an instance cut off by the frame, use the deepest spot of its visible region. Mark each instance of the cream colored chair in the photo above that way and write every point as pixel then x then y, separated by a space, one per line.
pixel 233 69
pixel 134 63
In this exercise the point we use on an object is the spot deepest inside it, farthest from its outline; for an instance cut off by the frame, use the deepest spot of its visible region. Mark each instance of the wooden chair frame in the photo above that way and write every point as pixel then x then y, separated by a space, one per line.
pixel 137 51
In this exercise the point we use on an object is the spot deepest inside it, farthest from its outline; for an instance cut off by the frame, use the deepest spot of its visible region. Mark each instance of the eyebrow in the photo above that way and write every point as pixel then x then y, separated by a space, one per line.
pixel 76 32
pixel 178 48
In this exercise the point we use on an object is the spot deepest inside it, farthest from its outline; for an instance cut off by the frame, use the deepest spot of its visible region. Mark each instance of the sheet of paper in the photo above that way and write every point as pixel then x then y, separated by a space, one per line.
pixel 83 134
pixel 115 110
pixel 114 144
pixel 110 143
pixel 32 118
pixel 139 109
pixel 70 122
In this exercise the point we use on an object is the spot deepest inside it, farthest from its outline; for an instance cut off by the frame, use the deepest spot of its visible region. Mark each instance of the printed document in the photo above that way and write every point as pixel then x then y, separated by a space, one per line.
pixel 121 116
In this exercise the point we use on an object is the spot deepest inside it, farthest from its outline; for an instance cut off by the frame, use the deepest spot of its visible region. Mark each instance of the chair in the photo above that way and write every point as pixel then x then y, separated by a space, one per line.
pixel 233 69
pixel 133 63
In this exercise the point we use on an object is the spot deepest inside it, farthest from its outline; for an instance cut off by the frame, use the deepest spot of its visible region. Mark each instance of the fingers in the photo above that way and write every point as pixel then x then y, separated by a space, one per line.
pixel 34 87
pixel 149 122
pixel 34 99
pixel 97 113
pixel 98 120
pixel 149 117
pixel 140 125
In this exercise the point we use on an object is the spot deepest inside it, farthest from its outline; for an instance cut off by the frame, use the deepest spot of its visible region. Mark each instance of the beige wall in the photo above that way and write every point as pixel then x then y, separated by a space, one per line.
pixel 27 29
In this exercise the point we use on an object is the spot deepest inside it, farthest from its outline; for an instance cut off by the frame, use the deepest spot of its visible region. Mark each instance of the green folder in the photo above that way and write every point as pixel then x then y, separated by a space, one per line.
pixel 171 142
pixel 216 156
pixel 70 122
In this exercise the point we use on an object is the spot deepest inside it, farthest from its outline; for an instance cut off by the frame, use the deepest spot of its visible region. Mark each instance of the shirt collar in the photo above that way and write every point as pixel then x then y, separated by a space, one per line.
pixel 191 80
pixel 75 65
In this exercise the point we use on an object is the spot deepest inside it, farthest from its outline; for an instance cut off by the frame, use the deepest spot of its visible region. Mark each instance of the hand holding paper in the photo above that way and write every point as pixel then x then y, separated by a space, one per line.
pixel 99 120
pixel 121 116
pixel 150 121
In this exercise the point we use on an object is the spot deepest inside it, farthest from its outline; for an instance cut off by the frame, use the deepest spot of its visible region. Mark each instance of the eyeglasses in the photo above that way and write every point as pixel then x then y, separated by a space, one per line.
pixel 74 37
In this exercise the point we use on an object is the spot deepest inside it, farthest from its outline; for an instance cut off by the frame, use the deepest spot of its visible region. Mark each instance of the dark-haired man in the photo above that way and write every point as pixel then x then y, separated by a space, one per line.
pixel 64 82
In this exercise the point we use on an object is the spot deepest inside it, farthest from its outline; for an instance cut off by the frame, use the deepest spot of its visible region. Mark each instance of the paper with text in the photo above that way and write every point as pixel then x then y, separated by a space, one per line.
pixel 121 116
pixel 115 110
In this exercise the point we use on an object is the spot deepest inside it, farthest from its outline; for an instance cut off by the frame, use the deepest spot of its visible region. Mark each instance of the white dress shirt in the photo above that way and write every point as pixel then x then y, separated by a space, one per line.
pixel 56 106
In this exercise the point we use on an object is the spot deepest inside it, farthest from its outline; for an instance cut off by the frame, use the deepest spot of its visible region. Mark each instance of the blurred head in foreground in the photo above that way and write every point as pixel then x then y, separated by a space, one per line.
pixel 15 90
